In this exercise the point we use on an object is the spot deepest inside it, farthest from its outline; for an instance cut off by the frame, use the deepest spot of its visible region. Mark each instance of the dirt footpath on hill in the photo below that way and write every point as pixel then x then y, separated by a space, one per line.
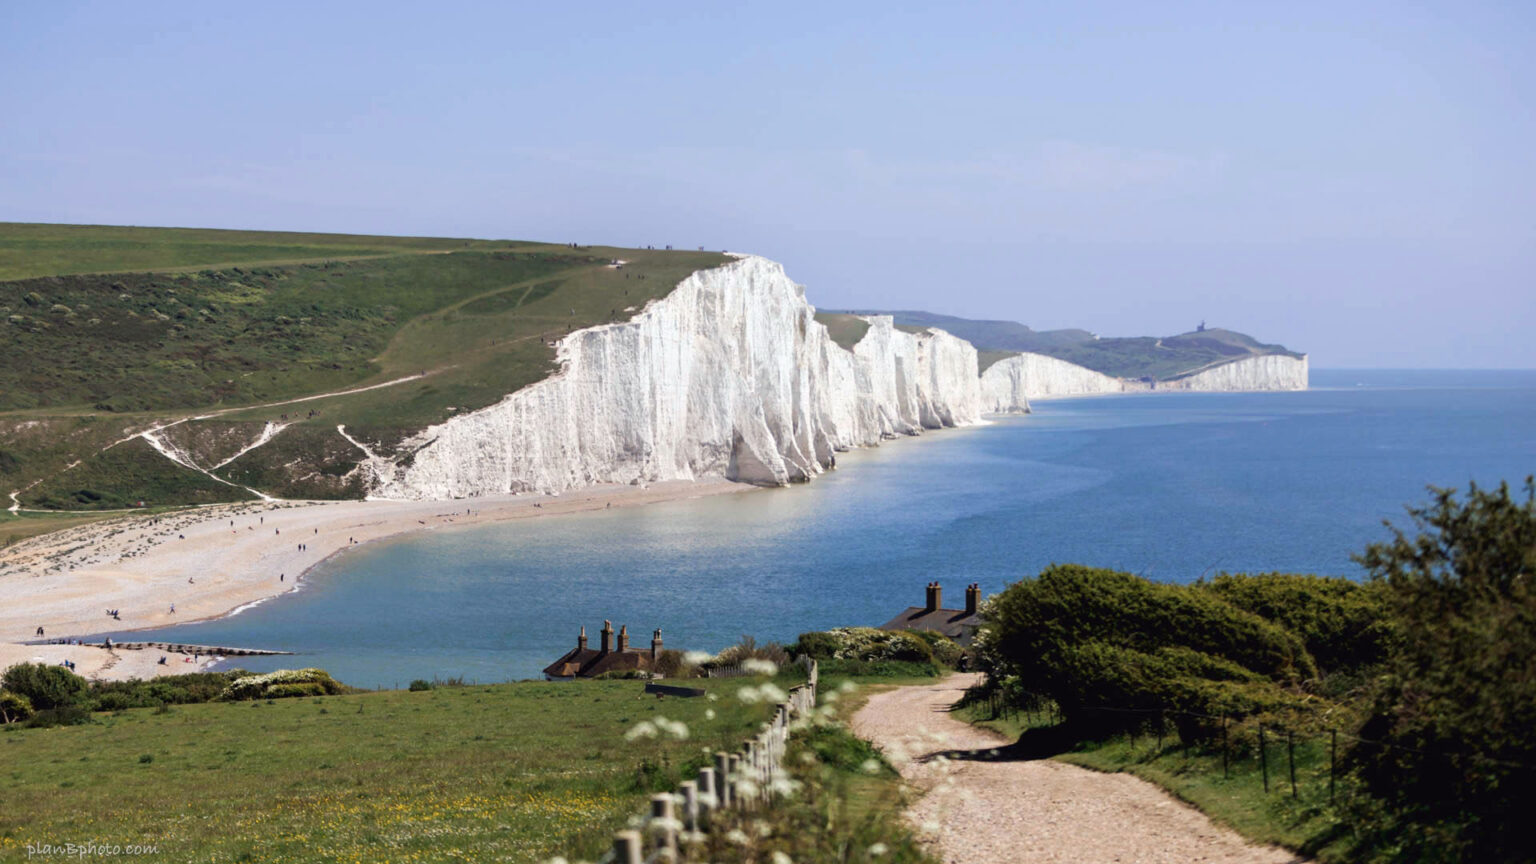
pixel 988 812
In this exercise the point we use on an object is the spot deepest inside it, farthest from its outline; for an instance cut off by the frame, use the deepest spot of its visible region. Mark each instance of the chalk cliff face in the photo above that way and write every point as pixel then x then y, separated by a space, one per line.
pixel 1008 385
pixel 1266 372
pixel 727 376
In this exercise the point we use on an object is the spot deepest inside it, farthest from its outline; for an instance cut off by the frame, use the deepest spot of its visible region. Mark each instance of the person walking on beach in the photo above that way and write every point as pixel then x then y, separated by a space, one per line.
pixel 173 608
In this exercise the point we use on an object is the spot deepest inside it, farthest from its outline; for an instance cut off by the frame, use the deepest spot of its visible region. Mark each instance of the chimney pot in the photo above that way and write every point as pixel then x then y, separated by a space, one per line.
pixel 972 598
pixel 655 646
pixel 607 636
pixel 623 637
pixel 935 596
pixel 581 641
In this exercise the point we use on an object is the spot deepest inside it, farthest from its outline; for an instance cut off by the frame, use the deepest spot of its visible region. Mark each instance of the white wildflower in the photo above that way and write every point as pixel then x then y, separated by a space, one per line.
pixel 878 849
pixel 709 713
pixel 697 658
pixel 781 858
pixel 763 829
pixel 784 787
pixel 870 766
pixel 658 825
pixel 738 836
pixel 757 666
pixel 643 729
pixel 771 693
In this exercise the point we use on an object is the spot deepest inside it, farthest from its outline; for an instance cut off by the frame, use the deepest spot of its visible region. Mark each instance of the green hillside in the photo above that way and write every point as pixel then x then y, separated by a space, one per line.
pixel 1146 357
pixel 513 772
pixel 115 330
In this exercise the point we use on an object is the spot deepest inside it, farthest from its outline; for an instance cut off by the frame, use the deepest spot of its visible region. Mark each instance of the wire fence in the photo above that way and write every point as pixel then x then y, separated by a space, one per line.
pixel 1039 709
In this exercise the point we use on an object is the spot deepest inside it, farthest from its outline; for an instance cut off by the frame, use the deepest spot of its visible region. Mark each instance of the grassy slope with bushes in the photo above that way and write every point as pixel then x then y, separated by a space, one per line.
pixel 1397 698
pixel 116 329
pixel 506 772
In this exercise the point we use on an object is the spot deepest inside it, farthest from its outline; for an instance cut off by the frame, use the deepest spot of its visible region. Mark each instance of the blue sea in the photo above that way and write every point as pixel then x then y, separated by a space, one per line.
pixel 1172 486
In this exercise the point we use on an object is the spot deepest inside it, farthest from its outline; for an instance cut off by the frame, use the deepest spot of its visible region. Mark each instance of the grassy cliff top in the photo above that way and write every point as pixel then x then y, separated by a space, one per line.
pixel 114 329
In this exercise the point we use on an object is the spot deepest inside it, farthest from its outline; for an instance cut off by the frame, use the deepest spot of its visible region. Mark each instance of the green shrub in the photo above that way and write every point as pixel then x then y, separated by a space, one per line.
pixel 877 669
pixel 14 707
pixel 46 687
pixel 419 685
pixel 73 714
pixel 1344 623
pixel 864 643
pixel 281 684
pixel 946 651
pixel 1448 750
pixel 1113 649
pixel 186 689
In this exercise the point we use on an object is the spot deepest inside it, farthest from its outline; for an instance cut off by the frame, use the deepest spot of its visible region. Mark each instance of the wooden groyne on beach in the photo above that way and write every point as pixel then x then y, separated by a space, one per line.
pixel 183 648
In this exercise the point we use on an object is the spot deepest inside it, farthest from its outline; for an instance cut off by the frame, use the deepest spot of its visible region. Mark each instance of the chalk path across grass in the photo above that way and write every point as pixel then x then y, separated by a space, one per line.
pixel 1033 810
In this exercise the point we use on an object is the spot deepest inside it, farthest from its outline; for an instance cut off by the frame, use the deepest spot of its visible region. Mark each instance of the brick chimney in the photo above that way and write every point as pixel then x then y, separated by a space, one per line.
pixel 935 597
pixel 972 598
pixel 623 637
pixel 607 636
pixel 581 641
pixel 655 646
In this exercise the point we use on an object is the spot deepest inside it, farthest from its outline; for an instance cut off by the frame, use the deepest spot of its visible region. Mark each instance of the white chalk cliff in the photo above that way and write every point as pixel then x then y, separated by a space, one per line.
pixel 1009 384
pixel 729 376
pixel 1264 372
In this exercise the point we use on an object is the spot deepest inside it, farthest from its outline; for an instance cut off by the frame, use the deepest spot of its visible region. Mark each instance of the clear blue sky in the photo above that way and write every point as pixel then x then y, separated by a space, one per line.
pixel 1356 180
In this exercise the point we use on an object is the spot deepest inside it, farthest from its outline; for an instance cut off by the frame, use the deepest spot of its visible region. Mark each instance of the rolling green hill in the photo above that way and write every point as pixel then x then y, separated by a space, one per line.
pixel 116 330
pixel 1146 357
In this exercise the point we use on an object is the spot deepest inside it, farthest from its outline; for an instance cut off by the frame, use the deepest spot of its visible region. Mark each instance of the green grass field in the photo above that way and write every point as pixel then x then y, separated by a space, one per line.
pixel 511 772
pixel 114 329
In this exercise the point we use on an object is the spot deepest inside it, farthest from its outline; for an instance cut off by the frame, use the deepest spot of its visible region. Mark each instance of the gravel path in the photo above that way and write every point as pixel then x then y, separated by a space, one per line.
pixel 1038 810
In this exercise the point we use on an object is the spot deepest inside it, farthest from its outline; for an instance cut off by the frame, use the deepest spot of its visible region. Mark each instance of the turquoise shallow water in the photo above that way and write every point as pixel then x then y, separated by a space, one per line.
pixel 1169 485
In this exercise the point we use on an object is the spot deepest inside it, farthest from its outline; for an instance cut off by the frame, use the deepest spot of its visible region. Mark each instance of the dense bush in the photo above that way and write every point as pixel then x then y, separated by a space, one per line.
pixel 1449 751
pixel 864 643
pixel 282 683
pixel 1105 644
pixel 877 668
pixel 14 707
pixel 168 690
pixel 1343 623
pixel 46 687
pixel 946 652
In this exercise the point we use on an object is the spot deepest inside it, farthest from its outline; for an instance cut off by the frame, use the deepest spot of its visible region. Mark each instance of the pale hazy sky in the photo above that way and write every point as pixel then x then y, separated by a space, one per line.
pixel 1356 180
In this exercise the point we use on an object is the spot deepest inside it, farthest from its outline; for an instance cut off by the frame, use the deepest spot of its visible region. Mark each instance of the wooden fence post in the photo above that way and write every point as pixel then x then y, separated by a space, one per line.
pixel 690 814
pixel 1333 752
pixel 1290 749
pixel 709 793
pixel 1263 758
pixel 1225 773
pixel 723 781
pixel 626 847
pixel 663 826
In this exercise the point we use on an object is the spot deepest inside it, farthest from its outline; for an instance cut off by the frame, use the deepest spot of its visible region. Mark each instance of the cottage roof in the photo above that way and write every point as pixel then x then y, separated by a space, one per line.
pixel 950 622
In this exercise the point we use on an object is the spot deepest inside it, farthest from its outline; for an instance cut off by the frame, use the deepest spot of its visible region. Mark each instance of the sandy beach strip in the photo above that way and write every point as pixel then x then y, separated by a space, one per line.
pixel 213 560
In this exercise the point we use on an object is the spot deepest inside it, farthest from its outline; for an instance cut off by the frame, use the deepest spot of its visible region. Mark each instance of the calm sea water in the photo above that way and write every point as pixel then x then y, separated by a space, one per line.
pixel 1169 485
